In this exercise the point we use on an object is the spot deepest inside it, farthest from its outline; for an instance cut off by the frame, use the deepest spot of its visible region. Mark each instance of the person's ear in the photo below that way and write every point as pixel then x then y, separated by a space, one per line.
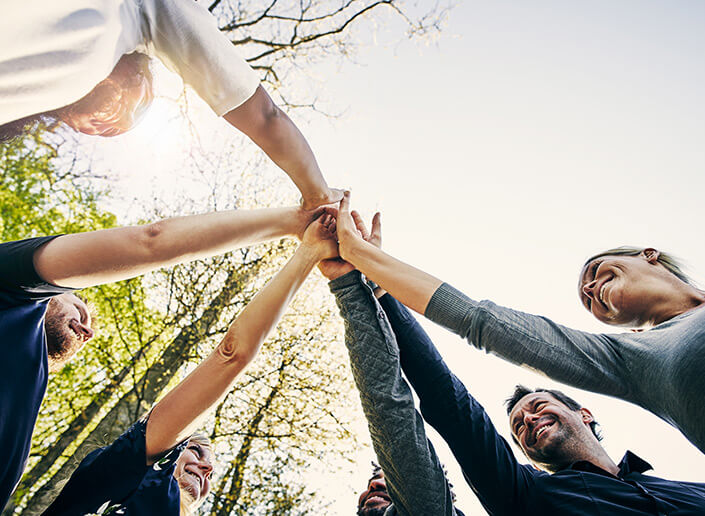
pixel 651 255
pixel 586 416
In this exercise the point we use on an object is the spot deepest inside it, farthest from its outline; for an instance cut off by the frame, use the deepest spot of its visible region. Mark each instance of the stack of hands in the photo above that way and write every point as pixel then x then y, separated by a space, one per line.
pixel 335 234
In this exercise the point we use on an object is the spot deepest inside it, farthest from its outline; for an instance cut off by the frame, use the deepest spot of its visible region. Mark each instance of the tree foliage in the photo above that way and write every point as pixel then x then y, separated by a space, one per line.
pixel 291 411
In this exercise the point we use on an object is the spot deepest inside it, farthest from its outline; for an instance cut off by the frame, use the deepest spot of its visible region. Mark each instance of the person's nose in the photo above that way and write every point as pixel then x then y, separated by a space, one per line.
pixel 206 467
pixel 378 485
pixel 589 289
pixel 529 419
pixel 86 332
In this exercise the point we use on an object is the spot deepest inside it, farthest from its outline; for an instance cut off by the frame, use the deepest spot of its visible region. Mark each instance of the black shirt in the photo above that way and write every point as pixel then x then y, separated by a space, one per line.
pixel 23 367
pixel 502 484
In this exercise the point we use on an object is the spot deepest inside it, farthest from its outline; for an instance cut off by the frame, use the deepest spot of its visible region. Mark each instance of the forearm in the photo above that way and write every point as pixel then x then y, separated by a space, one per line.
pixel 274 132
pixel 411 286
pixel 415 479
pixel 85 259
pixel 182 410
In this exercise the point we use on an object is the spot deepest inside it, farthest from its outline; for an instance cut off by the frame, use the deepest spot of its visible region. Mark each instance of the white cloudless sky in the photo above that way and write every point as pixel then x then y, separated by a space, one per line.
pixel 527 137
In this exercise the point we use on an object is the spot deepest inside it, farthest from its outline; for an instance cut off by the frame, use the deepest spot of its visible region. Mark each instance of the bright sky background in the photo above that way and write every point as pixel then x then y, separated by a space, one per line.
pixel 529 136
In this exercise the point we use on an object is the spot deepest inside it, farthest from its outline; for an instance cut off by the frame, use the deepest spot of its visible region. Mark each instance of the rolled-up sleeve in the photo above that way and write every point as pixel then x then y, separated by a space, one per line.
pixel 186 38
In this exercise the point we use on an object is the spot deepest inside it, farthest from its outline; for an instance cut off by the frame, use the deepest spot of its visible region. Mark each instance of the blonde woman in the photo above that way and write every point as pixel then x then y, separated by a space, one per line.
pixel 158 466
pixel 658 367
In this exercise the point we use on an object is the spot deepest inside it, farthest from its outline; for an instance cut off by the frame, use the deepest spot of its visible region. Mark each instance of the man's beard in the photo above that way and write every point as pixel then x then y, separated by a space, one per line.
pixel 62 343
pixel 559 453
pixel 373 511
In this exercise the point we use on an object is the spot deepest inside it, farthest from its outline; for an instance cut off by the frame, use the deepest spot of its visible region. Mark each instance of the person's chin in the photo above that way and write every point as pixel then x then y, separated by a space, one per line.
pixel 62 344
pixel 374 511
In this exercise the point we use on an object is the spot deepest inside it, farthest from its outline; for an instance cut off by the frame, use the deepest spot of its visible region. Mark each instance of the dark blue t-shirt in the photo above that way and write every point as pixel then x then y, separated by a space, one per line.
pixel 23 367
pixel 116 480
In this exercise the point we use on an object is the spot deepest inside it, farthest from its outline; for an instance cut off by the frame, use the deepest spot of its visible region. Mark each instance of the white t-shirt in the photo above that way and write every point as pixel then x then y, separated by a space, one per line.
pixel 52 53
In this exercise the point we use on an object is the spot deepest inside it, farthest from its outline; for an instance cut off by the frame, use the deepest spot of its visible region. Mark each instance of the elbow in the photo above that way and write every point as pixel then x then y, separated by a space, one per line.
pixel 150 241
pixel 234 352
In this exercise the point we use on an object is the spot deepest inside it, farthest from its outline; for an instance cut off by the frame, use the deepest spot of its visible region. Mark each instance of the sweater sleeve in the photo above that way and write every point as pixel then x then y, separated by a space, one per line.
pixel 585 360
pixel 415 479
pixel 503 486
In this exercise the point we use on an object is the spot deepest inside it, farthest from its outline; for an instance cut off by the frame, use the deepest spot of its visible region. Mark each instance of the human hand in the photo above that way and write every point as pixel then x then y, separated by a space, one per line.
pixel 319 238
pixel 302 218
pixel 336 267
pixel 348 235
pixel 373 237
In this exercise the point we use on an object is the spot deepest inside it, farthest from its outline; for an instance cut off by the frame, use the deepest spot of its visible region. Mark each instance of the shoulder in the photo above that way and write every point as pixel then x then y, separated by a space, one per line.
pixel 19 279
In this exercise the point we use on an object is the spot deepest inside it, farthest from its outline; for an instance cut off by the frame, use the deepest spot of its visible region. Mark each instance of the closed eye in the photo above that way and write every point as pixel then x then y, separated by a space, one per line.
pixel 196 448
pixel 519 425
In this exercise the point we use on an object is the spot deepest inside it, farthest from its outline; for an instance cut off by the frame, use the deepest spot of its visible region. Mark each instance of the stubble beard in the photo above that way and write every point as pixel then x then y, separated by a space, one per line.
pixel 558 452
pixel 62 343
pixel 373 511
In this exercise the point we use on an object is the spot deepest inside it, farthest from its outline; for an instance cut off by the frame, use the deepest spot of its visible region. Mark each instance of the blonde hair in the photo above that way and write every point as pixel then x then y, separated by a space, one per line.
pixel 670 262
pixel 188 503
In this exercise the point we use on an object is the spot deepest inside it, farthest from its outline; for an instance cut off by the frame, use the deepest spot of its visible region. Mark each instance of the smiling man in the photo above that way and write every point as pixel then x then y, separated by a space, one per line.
pixel 571 473
pixel 43 324
pixel 86 63
pixel 374 500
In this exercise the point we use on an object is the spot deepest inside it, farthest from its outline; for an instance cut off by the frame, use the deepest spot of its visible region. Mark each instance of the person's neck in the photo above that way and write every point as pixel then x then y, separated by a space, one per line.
pixel 684 298
pixel 597 456
pixel 603 461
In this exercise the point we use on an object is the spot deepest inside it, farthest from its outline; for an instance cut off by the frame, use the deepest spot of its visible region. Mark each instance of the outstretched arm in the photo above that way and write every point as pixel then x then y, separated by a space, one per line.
pixel 414 476
pixel 274 132
pixel 502 485
pixel 182 410
pixel 594 362
pixel 85 259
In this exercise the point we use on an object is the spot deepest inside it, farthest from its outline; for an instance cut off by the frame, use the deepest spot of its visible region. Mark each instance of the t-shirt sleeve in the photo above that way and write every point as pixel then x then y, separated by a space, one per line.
pixel 18 277
pixel 186 38
pixel 111 474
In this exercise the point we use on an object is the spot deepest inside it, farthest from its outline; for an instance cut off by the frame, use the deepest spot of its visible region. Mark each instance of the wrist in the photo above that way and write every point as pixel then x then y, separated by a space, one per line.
pixel 309 254
pixel 295 221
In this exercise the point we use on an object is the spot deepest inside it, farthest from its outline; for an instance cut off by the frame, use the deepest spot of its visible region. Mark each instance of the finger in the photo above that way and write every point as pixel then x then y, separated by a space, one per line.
pixel 360 224
pixel 331 210
pixel 345 203
pixel 377 226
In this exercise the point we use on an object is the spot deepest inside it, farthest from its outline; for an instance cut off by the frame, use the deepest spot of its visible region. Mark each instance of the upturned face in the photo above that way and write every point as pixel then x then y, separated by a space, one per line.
pixel 549 433
pixel 193 470
pixel 67 325
pixel 375 499
pixel 623 290
pixel 117 103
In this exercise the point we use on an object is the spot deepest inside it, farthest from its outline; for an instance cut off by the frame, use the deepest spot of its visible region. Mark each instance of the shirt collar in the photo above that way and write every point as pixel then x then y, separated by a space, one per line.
pixel 630 463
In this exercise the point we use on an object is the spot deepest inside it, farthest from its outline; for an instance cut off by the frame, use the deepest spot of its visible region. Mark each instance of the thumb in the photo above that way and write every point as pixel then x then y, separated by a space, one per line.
pixel 345 203
pixel 377 226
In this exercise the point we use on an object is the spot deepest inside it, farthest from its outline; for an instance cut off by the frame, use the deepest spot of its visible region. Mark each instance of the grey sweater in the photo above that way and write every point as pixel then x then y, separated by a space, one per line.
pixel 415 479
pixel 661 369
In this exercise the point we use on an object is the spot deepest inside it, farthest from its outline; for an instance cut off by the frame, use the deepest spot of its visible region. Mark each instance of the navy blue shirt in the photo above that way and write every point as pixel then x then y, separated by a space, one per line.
pixel 116 480
pixel 502 484
pixel 23 368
